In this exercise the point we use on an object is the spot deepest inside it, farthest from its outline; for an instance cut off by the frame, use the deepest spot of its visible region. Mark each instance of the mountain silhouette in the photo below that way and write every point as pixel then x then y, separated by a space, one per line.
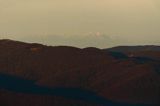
pixel 37 75
pixel 135 48
pixel 149 51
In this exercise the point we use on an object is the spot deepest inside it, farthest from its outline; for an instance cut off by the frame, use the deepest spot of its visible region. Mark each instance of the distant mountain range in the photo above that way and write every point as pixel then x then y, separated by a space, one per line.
pixel 33 74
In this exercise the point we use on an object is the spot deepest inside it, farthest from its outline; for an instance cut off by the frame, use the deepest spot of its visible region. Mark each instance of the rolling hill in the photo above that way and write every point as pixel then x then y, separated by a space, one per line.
pixel 38 75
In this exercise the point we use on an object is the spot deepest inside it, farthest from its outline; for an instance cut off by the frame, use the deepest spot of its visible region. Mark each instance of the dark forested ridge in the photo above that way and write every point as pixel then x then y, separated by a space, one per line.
pixel 39 75
pixel 135 48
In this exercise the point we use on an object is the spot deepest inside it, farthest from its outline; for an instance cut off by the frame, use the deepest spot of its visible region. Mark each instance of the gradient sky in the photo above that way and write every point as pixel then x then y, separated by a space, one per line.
pixel 82 23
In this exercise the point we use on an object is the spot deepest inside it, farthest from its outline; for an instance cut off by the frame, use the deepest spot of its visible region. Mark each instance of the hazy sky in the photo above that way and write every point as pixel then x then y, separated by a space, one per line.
pixel 100 23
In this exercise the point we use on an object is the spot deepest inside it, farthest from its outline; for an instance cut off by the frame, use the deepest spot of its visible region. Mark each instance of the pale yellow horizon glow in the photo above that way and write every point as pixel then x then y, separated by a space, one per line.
pixel 129 21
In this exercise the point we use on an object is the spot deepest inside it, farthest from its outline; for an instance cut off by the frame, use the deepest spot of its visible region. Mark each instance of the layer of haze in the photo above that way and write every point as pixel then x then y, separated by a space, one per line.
pixel 99 23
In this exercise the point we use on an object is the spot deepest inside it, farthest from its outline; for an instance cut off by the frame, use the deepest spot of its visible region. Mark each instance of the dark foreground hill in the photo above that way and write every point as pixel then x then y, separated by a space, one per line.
pixel 38 75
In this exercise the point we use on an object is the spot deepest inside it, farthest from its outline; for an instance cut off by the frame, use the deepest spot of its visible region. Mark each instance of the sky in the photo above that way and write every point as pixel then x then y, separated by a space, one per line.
pixel 81 23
